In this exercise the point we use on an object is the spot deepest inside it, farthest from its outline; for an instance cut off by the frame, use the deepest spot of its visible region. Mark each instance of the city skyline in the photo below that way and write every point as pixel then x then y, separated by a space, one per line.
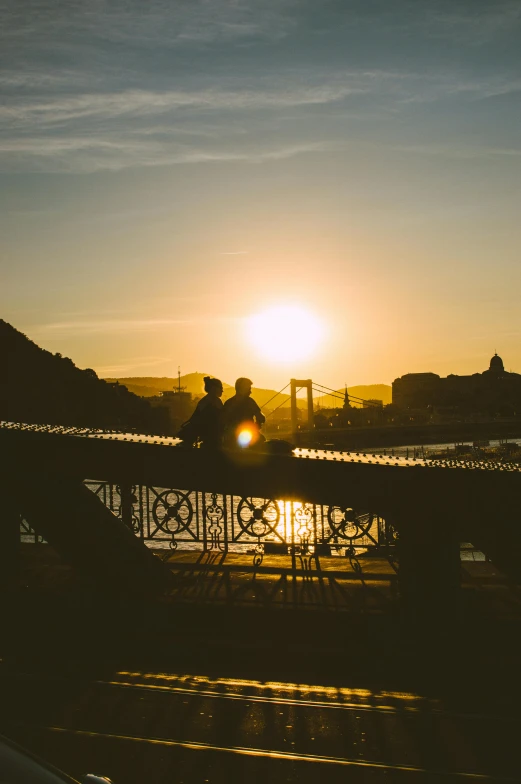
pixel 171 173
pixel 229 382
pixel 183 374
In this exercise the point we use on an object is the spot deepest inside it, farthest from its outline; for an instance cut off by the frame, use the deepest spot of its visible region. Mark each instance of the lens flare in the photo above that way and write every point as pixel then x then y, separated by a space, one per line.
pixel 244 438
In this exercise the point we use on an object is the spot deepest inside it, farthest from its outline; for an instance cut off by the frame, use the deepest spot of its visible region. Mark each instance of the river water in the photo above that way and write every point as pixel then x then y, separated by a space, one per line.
pixel 420 450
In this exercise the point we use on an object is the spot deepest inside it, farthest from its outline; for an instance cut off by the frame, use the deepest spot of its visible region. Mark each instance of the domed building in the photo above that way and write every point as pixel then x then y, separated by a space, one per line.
pixel 492 392
pixel 496 366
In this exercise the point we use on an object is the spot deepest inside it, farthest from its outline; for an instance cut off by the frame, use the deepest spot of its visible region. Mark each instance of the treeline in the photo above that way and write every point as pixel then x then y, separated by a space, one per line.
pixel 37 386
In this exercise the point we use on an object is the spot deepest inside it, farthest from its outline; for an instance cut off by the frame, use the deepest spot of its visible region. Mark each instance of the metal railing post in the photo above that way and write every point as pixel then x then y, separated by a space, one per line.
pixel 9 537
pixel 125 492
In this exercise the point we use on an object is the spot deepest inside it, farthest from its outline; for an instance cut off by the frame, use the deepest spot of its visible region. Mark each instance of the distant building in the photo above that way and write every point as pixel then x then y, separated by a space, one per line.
pixel 494 391
pixel 416 390
pixel 175 397
pixel 177 406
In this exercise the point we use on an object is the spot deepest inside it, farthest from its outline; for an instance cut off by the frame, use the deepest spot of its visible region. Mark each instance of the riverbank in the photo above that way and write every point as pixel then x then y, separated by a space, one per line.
pixel 388 436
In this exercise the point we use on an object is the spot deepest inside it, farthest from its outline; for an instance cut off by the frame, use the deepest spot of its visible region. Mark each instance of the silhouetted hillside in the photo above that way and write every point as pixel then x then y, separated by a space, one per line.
pixel 40 387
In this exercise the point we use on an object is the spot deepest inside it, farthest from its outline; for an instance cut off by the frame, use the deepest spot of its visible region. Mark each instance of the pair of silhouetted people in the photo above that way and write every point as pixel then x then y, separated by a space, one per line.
pixel 216 425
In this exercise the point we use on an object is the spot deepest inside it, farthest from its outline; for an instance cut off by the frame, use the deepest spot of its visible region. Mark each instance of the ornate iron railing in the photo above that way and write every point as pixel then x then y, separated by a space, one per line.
pixel 194 520
pixel 435 505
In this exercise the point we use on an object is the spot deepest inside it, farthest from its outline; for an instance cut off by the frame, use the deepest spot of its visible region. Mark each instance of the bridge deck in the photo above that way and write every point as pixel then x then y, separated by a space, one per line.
pixel 432 505
pixel 370 457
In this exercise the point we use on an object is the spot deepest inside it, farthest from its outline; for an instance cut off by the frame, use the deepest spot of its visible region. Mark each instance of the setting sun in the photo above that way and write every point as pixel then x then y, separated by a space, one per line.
pixel 285 333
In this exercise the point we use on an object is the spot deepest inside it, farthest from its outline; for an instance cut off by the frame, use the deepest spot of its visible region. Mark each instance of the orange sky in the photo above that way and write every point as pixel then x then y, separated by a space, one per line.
pixel 169 172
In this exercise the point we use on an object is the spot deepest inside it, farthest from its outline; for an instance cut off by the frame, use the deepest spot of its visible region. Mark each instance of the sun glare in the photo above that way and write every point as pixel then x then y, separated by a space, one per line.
pixel 285 333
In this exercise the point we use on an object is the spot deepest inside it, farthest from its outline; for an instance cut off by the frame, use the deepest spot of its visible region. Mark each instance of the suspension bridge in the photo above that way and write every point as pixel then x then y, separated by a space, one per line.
pixel 297 385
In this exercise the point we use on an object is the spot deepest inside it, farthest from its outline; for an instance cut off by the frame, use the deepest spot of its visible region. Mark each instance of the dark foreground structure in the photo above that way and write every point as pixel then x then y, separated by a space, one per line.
pixel 319 620
pixel 431 506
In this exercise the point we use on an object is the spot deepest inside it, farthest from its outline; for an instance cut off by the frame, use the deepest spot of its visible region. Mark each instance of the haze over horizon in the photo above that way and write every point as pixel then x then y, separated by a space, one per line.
pixel 173 172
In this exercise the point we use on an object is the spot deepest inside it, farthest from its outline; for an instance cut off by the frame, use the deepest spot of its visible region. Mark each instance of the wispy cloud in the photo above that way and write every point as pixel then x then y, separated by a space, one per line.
pixel 470 23
pixel 109 326
pixel 463 151
pixel 142 103
pixel 91 155
pixel 112 131
pixel 132 365
pixel 24 112
pixel 94 131
pixel 442 86
pixel 106 86
pixel 161 21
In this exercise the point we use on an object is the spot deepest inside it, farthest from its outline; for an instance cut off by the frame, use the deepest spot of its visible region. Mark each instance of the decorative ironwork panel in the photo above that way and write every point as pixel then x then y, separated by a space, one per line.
pixel 212 521
pixel 215 522
pixel 135 521
pixel 304 525
pixel 173 514
pixel 258 518
pixel 348 526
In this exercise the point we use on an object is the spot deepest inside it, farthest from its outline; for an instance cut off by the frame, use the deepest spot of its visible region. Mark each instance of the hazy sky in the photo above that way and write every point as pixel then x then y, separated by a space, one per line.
pixel 170 168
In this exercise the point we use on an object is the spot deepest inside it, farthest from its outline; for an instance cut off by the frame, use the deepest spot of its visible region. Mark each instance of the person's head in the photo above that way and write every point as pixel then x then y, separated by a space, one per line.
pixel 213 386
pixel 243 386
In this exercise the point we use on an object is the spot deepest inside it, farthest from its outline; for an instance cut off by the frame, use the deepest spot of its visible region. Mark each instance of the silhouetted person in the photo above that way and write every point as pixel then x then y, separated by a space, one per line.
pixel 205 423
pixel 241 413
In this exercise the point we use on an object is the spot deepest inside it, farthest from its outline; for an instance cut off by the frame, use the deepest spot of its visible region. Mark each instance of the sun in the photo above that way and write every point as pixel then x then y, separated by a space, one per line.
pixel 285 333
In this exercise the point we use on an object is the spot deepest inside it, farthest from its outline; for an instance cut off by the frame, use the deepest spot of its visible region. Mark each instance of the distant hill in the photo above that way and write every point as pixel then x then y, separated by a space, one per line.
pixel 381 392
pixel 37 386
pixel 148 386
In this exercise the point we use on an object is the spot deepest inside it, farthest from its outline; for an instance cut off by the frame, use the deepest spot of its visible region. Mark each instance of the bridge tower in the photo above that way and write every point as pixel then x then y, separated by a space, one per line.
pixel 295 385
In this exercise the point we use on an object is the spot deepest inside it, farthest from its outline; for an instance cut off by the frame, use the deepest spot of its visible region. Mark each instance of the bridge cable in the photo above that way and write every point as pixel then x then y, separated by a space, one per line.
pixel 327 403
pixel 339 393
pixel 275 395
pixel 281 404
pixel 339 397
pixel 351 397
